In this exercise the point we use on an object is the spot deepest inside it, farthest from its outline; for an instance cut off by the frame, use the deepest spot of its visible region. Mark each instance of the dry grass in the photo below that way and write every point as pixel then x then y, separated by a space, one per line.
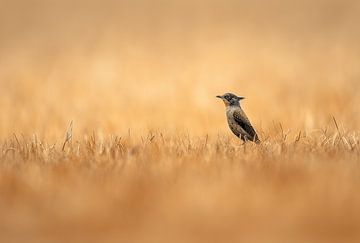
pixel 110 130
pixel 178 188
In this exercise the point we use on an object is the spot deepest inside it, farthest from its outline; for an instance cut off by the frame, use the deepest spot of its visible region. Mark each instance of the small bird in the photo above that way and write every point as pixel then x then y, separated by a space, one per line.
pixel 237 119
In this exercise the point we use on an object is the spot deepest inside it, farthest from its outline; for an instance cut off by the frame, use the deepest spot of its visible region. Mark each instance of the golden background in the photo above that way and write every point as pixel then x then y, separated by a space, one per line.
pixel 150 157
pixel 114 65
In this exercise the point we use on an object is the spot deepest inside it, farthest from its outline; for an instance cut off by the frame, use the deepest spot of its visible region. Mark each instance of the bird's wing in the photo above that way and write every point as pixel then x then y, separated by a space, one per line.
pixel 241 118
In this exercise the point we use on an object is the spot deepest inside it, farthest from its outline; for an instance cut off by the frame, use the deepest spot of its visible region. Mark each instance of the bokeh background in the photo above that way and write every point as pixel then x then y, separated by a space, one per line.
pixel 111 66
pixel 151 158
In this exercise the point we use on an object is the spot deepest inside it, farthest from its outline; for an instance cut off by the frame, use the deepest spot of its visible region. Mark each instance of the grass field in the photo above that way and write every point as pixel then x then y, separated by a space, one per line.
pixel 110 130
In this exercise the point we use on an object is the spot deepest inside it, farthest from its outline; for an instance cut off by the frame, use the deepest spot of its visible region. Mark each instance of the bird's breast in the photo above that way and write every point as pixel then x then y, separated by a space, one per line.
pixel 233 125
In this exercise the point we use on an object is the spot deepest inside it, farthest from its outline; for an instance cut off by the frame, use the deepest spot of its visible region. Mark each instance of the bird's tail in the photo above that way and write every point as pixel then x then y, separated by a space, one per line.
pixel 256 139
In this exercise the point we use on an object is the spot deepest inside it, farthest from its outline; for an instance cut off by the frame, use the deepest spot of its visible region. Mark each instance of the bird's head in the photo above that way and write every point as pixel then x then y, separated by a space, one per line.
pixel 230 99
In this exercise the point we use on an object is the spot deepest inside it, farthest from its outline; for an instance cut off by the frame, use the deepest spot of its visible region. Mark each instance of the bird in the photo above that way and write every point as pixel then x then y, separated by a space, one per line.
pixel 238 122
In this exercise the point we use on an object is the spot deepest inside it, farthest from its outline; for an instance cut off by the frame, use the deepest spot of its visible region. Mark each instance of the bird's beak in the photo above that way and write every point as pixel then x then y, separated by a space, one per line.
pixel 219 96
pixel 241 98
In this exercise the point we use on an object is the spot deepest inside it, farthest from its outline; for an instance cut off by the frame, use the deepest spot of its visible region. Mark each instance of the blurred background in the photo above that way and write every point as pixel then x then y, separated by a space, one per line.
pixel 141 67
pixel 116 65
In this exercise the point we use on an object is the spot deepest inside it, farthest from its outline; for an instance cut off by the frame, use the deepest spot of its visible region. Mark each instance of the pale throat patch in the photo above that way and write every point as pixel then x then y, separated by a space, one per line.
pixel 227 103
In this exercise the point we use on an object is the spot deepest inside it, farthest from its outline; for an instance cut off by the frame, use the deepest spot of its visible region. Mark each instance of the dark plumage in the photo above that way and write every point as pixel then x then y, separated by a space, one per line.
pixel 238 121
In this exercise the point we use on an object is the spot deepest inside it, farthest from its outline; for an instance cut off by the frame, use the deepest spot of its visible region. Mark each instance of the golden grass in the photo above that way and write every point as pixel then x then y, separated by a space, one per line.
pixel 148 156
pixel 160 188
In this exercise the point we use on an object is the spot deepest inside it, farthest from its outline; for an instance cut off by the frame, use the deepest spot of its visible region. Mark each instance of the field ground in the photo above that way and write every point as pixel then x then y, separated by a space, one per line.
pixel 149 157
pixel 178 188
